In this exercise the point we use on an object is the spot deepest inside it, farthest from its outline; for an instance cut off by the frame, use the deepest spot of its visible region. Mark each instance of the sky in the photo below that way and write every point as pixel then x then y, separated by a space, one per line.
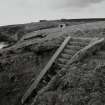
pixel 25 11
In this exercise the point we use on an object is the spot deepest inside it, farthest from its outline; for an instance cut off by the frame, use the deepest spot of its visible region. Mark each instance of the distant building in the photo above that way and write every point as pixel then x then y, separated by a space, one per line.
pixel 62 26
pixel 42 20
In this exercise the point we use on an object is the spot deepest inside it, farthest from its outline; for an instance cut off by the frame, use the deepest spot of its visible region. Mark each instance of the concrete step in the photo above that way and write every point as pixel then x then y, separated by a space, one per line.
pixel 44 81
pixel 73 47
pixel 62 60
pixel 80 44
pixel 81 39
pixel 66 56
pixel 69 51
pixel 61 65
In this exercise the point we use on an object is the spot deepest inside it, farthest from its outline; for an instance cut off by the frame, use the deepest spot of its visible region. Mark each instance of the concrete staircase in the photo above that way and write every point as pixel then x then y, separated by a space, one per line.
pixel 73 46
pixel 62 56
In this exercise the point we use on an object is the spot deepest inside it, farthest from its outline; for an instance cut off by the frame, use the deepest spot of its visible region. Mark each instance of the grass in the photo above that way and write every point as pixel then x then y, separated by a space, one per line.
pixel 81 85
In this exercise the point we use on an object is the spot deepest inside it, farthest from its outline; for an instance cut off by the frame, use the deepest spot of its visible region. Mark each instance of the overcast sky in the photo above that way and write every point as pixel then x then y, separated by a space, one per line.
pixel 23 11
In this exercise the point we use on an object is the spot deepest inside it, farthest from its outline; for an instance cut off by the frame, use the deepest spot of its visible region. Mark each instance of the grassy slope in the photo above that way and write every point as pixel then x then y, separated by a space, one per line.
pixel 52 37
pixel 82 84
pixel 24 61
pixel 7 32
pixel 95 29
